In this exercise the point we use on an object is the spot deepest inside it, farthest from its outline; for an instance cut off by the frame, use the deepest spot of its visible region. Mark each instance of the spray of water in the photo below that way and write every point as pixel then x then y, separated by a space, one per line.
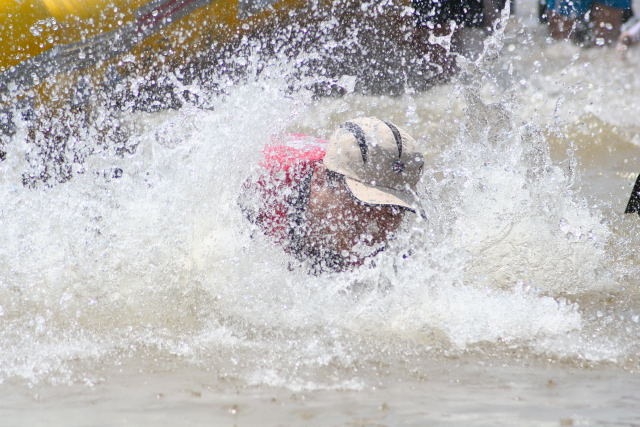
pixel 141 251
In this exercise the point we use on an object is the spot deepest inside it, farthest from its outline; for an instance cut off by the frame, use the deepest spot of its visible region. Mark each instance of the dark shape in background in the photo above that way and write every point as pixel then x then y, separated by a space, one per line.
pixel 634 201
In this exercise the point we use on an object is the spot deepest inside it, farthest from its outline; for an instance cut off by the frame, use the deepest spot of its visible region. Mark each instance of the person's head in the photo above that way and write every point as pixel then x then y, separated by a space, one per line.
pixel 358 198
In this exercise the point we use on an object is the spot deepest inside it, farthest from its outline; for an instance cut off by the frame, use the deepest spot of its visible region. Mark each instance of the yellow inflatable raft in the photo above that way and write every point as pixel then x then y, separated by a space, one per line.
pixel 42 39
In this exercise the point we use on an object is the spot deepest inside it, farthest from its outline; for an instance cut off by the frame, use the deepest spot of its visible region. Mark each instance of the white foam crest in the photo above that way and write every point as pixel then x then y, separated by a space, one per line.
pixel 515 211
pixel 466 317
pixel 152 247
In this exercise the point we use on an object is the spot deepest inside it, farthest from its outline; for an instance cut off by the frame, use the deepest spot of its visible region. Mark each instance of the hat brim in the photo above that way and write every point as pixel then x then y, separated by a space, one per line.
pixel 381 196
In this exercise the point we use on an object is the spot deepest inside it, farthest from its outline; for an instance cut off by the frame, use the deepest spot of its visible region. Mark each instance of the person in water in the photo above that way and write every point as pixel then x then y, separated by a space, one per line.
pixel 333 204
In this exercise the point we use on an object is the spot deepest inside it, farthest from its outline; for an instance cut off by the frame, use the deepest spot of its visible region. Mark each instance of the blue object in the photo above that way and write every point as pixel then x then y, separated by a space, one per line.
pixel 578 8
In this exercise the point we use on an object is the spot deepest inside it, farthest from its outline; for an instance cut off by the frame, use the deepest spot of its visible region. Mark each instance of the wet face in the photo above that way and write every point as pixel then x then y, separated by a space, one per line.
pixel 337 221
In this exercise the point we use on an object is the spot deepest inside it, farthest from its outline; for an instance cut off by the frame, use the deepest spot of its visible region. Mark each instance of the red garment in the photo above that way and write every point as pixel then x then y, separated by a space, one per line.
pixel 288 163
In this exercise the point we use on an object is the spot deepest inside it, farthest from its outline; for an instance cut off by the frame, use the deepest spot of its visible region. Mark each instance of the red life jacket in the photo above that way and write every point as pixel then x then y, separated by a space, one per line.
pixel 288 165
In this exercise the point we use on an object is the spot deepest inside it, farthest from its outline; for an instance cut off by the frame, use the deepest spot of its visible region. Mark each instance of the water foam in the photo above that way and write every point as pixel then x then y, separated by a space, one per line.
pixel 161 260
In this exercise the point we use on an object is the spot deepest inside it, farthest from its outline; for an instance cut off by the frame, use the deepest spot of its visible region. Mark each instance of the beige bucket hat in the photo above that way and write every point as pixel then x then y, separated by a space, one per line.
pixel 380 161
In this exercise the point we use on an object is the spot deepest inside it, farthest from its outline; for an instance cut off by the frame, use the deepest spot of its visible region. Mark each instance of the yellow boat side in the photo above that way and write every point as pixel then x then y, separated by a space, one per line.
pixel 43 38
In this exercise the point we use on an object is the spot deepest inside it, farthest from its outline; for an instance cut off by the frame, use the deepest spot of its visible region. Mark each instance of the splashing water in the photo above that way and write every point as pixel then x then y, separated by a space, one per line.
pixel 159 263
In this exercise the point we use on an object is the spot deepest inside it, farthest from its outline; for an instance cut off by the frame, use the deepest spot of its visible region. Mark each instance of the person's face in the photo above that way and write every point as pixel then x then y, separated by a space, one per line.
pixel 338 222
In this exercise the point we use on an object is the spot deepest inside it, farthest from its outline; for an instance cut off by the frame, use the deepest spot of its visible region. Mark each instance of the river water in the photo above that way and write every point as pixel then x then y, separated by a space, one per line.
pixel 147 299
